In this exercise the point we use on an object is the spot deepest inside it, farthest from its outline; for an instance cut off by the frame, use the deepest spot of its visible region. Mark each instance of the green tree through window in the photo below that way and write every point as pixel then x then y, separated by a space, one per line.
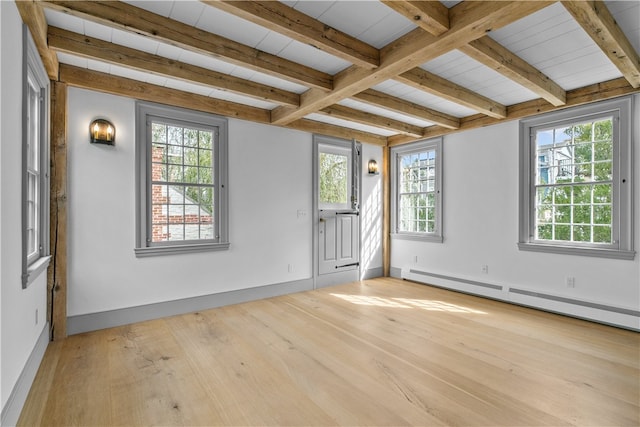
pixel 574 182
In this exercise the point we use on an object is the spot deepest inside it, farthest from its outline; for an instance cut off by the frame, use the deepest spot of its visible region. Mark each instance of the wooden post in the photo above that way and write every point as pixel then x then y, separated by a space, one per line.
pixel 57 274
pixel 386 212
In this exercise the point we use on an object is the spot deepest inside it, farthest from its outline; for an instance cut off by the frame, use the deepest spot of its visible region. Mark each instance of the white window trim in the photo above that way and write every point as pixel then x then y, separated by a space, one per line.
pixel 33 266
pixel 143 176
pixel 430 144
pixel 622 198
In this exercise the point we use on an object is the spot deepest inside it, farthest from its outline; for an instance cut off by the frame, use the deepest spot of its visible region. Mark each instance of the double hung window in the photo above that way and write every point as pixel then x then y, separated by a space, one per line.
pixel 35 163
pixel 576 186
pixel 181 181
pixel 416 172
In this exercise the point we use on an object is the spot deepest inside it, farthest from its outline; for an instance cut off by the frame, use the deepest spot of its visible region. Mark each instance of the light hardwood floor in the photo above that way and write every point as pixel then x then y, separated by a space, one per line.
pixel 377 352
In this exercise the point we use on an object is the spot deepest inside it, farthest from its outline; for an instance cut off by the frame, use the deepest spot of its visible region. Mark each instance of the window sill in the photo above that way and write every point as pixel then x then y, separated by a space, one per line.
pixel 575 250
pixel 180 249
pixel 420 237
pixel 35 269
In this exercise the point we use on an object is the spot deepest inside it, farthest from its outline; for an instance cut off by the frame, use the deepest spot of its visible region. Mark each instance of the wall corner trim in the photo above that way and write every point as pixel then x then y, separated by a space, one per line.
pixel 18 397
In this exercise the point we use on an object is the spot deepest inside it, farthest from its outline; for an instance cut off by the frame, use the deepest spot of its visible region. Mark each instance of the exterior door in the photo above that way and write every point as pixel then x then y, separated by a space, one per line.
pixel 337 210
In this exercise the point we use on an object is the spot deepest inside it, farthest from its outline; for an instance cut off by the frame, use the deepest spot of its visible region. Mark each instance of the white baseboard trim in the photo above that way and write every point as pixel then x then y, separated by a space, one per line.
pixel 621 317
pixel 124 316
pixel 17 398
pixel 371 273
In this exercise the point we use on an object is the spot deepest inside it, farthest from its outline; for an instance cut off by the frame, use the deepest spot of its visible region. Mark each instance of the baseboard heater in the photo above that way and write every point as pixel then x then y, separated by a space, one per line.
pixel 457 279
pixel 566 300
pixel 539 295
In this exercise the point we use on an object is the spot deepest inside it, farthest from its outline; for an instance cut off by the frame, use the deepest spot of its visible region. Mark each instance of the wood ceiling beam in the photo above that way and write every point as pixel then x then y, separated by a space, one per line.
pixel 33 16
pixel 436 85
pixel 492 54
pixel 370 119
pixel 401 106
pixel 89 47
pixel 101 82
pixel 597 21
pixel 431 16
pixel 584 95
pixel 469 21
pixel 288 21
pixel 123 16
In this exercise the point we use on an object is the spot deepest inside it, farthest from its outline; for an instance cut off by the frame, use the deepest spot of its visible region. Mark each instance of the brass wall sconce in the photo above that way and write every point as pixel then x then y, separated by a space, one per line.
pixel 373 167
pixel 102 131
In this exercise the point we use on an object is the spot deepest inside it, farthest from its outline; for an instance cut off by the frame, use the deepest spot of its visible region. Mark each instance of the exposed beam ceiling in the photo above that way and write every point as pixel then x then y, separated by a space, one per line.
pixel 89 47
pixel 78 77
pixel 596 20
pixel 404 61
pixel 283 19
pixel 581 96
pixel 139 21
pixel 469 21
pixel 492 54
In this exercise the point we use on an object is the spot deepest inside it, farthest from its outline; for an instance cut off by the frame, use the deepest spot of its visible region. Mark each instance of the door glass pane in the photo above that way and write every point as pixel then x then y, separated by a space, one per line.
pixel 334 180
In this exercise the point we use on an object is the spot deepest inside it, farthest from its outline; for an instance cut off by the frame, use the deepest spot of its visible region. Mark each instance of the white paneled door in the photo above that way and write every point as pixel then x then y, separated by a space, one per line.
pixel 337 200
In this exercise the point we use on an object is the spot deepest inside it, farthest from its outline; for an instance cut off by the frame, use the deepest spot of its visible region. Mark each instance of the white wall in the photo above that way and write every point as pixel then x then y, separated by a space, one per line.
pixel 269 182
pixel 481 228
pixel 19 331
pixel 371 214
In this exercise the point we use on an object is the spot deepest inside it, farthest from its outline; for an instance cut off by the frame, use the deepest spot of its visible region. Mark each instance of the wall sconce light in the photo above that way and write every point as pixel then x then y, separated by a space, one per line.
pixel 373 167
pixel 102 132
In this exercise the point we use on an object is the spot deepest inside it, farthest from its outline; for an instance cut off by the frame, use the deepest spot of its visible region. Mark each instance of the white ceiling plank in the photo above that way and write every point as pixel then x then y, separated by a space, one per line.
pixel 64 21
pixel 188 12
pixel 163 7
pixel 230 26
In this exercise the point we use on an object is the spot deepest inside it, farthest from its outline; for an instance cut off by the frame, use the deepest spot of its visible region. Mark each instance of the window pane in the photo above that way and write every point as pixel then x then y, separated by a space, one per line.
pixel 179 209
pixel 417 185
pixel 581 233
pixel 581 154
pixel 602 214
pixel 333 178
pixel 602 234
pixel 562 232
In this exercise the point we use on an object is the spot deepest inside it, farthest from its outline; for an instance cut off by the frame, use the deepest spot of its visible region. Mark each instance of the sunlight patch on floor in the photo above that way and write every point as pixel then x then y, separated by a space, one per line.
pixel 430 305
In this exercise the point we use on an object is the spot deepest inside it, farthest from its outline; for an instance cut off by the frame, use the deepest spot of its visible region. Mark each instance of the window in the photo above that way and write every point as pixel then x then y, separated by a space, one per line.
pixel 416 172
pixel 35 162
pixel 182 175
pixel 576 181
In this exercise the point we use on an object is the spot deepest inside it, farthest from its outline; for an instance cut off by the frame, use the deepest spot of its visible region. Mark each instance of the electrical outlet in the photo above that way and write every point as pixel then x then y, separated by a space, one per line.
pixel 571 282
pixel 485 269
